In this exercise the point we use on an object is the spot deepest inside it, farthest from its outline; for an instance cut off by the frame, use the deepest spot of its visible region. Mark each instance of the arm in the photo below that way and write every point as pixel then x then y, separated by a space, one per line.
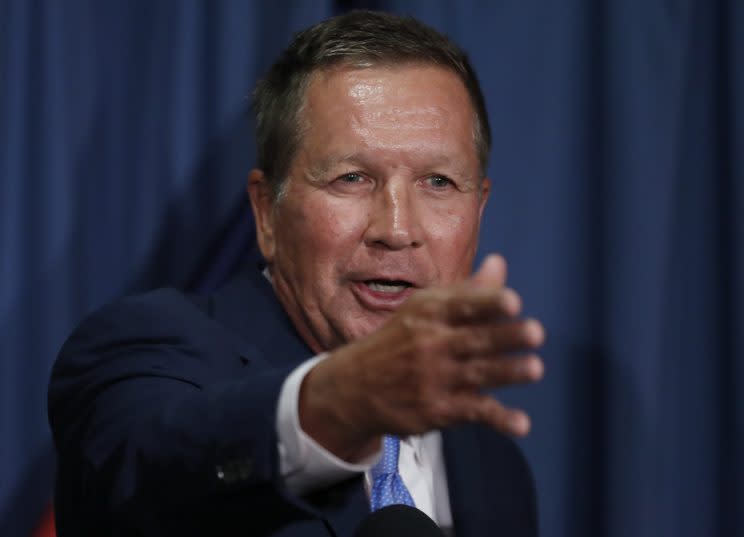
pixel 159 425
pixel 304 464
pixel 426 368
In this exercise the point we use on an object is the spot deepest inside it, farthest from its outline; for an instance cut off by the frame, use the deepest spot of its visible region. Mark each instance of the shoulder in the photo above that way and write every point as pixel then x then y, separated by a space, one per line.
pixel 159 312
pixel 151 326
pixel 161 334
pixel 223 321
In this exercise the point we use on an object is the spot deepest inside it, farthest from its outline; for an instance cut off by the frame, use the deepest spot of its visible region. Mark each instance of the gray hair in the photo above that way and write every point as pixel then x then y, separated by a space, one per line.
pixel 360 39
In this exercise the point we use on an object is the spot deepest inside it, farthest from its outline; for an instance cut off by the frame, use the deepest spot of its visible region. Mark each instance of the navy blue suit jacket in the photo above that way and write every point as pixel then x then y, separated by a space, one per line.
pixel 163 413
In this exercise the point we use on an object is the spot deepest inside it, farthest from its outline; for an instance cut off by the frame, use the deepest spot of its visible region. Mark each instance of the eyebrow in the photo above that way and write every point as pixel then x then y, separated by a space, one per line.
pixel 357 158
pixel 324 167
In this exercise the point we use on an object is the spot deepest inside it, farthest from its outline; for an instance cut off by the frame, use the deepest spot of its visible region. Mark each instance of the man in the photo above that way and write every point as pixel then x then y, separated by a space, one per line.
pixel 270 407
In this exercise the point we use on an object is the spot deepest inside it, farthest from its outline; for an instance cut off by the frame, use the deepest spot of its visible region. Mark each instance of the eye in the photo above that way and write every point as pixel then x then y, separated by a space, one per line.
pixel 439 181
pixel 351 178
pixel 352 183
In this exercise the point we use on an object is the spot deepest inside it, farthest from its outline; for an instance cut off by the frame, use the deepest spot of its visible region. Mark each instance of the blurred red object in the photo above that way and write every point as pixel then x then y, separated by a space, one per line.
pixel 46 525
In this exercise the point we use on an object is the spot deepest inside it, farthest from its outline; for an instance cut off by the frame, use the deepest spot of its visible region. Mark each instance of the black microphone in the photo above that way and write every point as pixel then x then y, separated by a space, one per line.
pixel 398 521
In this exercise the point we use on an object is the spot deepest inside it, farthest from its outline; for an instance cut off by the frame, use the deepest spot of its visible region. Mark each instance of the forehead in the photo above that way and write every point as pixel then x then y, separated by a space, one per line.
pixel 351 85
pixel 390 107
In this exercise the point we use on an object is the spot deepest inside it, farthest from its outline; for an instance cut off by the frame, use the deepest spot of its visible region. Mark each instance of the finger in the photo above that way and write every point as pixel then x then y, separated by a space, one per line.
pixel 492 272
pixel 493 373
pixel 485 409
pixel 496 338
pixel 466 305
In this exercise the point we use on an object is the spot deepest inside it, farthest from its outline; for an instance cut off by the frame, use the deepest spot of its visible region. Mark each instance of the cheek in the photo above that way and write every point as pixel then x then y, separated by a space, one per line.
pixel 344 221
pixel 324 231
pixel 453 234
pixel 457 225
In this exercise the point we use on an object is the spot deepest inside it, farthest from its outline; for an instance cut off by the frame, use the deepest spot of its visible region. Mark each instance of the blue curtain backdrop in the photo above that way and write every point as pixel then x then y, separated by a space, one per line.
pixel 618 169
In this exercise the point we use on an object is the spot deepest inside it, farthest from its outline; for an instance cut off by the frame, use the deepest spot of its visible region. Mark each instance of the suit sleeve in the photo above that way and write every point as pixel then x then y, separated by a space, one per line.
pixel 153 438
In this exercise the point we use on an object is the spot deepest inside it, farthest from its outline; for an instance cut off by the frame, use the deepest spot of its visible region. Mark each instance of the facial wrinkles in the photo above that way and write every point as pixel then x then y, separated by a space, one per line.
pixel 389 117
pixel 387 147
pixel 422 118
pixel 385 123
pixel 378 106
pixel 300 288
pixel 395 130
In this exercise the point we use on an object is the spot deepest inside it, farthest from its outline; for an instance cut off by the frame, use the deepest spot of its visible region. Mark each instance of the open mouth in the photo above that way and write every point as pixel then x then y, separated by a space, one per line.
pixel 388 286
pixel 382 294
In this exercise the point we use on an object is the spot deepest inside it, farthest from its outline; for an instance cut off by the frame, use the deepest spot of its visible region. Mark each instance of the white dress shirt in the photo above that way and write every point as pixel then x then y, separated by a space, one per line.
pixel 306 465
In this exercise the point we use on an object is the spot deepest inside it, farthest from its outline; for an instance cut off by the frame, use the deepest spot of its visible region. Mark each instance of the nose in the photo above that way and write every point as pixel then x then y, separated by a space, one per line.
pixel 394 221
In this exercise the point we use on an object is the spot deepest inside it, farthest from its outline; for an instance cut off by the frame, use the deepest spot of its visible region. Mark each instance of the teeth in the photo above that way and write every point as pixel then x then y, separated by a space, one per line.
pixel 387 287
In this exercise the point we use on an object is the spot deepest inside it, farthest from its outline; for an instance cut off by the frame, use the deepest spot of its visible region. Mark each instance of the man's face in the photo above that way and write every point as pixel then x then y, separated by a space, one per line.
pixel 383 197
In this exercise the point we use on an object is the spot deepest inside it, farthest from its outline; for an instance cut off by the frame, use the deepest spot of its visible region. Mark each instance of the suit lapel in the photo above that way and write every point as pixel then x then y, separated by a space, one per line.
pixel 248 305
pixel 342 506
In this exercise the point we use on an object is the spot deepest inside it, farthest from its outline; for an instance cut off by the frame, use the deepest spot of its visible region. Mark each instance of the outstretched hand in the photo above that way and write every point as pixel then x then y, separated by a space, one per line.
pixel 427 367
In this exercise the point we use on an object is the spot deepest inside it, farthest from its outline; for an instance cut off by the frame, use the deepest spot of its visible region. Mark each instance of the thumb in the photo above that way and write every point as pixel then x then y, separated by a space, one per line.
pixel 492 272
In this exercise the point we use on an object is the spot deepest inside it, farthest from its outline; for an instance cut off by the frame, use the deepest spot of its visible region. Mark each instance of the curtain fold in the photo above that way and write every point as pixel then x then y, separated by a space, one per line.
pixel 617 170
pixel 125 145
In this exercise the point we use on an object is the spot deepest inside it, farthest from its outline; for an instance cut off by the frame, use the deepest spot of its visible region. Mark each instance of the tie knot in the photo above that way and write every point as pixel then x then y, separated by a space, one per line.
pixel 387 486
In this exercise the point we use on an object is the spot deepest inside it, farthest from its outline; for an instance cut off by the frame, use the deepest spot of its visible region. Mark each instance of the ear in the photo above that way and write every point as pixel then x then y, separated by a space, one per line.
pixel 485 190
pixel 259 192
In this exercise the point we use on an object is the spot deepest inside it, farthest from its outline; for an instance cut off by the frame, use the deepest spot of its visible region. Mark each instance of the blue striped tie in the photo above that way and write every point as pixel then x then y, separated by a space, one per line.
pixel 387 486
